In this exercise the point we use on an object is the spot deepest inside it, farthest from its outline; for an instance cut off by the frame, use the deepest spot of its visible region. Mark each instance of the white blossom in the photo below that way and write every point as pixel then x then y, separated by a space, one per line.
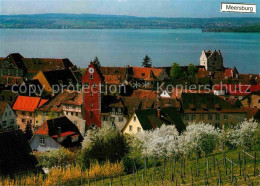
pixel 243 134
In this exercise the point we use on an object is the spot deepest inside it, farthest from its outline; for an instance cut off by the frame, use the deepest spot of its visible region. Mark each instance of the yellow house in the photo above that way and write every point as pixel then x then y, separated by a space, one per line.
pixel 150 119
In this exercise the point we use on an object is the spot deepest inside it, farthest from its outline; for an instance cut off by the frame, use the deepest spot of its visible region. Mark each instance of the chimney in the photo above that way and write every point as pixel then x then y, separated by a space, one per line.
pixel 59 135
pixel 159 113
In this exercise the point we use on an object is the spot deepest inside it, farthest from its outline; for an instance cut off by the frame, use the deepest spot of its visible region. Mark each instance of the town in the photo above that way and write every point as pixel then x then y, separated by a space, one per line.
pixel 51 103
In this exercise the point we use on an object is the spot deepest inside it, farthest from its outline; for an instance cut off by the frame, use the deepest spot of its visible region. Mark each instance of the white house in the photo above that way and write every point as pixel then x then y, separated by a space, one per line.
pixel 55 133
pixel 7 117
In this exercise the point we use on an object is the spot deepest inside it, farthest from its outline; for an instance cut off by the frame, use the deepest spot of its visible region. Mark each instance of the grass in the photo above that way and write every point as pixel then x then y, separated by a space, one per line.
pixel 155 176
pixel 203 175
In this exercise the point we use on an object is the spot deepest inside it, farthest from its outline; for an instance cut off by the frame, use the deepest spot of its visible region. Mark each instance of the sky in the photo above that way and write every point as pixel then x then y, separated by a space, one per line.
pixel 143 8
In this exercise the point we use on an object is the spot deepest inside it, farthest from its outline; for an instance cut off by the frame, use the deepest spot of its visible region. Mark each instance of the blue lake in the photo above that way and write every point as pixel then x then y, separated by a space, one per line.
pixel 121 47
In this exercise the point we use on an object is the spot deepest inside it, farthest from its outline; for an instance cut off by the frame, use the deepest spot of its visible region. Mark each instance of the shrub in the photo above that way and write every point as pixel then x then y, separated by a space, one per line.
pixel 55 157
pixel 105 144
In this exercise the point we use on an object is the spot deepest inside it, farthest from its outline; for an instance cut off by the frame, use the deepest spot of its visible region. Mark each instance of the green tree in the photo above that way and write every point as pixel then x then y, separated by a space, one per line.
pixel 176 71
pixel 192 70
pixel 147 61
pixel 96 61
pixel 104 144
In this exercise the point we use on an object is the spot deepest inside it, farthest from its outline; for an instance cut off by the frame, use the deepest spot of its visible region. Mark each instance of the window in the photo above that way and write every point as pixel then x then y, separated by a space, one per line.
pixel 23 120
pixel 72 113
pixel 119 110
pixel 91 114
pixel 4 123
pixel 120 119
pixel 9 112
pixel 86 85
pixel 259 101
pixel 30 113
pixel 217 117
pixel 134 118
pixel 91 76
pixel 209 117
pixel 225 116
pixel 37 121
pixel 130 128
pixel 77 114
pixel 138 129
pixel 94 85
pixel 105 118
pixel 91 104
pixel 202 116
pixel 217 125
pixel 42 140
pixel 186 117
pixel 193 116
pixel 23 113
pixel 143 74
pixel 91 93
pixel 67 113
pixel 12 121
pixel 112 119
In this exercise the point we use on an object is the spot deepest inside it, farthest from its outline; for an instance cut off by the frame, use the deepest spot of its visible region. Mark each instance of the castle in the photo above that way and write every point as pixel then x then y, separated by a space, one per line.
pixel 212 61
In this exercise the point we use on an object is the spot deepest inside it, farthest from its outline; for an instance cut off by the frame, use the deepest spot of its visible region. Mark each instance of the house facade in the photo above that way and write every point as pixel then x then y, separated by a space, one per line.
pixel 209 108
pixel 252 100
pixel 24 107
pixel 7 117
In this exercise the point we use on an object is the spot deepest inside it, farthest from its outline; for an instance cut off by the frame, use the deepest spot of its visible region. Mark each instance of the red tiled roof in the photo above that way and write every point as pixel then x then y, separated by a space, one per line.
pixel 43 130
pixel 26 103
pixel 146 73
pixel 68 133
pixel 142 93
pixel 113 75
pixel 42 102
pixel 67 97
pixel 112 79
pixel 228 72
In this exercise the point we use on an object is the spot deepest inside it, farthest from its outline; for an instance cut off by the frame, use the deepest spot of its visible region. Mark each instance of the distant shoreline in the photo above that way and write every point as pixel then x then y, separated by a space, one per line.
pixel 89 21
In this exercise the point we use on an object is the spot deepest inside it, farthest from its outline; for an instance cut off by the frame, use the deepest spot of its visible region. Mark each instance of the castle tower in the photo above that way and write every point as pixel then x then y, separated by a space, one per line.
pixel 213 61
